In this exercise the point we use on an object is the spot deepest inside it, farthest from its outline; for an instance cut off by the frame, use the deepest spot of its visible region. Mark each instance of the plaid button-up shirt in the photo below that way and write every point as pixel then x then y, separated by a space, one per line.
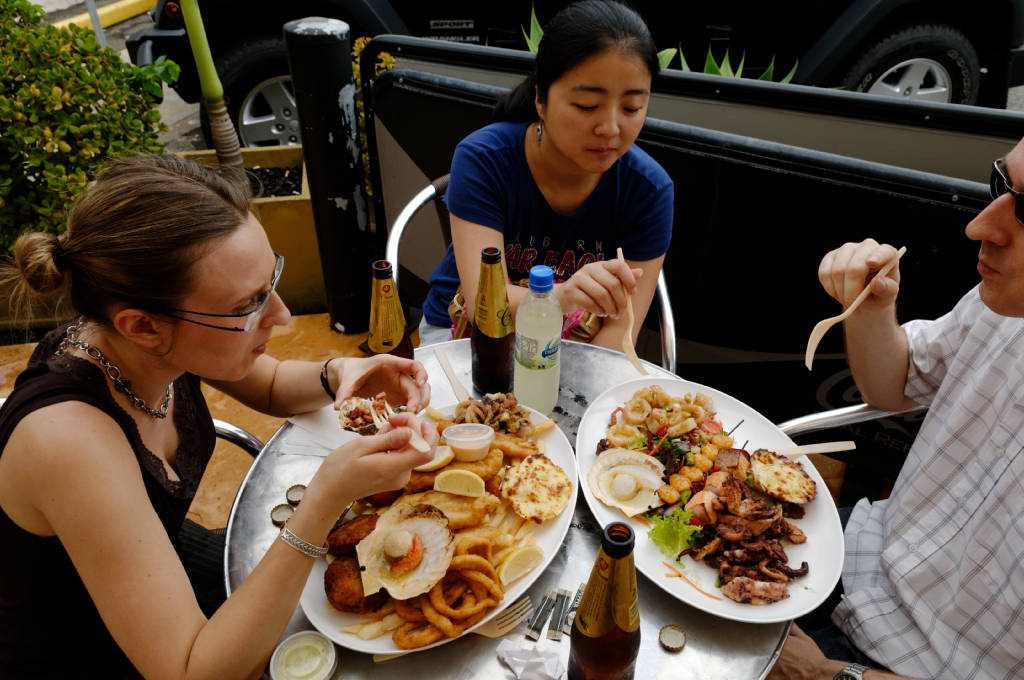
pixel 934 575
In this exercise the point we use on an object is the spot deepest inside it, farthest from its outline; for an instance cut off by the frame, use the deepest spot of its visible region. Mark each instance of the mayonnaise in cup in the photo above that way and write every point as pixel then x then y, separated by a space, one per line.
pixel 307 655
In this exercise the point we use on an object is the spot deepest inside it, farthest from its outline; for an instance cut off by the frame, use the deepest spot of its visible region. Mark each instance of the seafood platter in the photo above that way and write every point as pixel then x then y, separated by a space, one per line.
pixel 469 533
pixel 723 522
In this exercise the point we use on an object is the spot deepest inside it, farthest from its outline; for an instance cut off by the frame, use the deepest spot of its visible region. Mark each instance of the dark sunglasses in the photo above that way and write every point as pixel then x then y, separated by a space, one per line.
pixel 999 184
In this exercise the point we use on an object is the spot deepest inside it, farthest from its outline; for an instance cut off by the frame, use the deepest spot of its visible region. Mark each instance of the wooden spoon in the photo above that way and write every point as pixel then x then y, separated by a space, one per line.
pixel 810 449
pixel 461 393
pixel 627 339
pixel 818 332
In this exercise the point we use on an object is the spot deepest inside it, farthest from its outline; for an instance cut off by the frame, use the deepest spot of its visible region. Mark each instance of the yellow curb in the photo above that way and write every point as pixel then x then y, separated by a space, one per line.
pixel 111 14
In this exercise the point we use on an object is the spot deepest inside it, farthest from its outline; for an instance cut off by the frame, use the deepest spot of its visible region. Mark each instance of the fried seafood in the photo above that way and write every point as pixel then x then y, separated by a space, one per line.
pixel 462 511
pixel 514 446
pixel 748 591
pixel 343 540
pixel 501 411
pixel 485 468
pixel 344 588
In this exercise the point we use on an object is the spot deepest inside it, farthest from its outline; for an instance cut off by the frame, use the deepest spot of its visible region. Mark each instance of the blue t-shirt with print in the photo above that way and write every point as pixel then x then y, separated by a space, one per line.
pixel 491 185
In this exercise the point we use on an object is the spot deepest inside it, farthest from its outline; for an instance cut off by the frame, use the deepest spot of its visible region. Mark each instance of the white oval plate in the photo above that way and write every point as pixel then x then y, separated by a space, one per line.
pixel 823 550
pixel 549 536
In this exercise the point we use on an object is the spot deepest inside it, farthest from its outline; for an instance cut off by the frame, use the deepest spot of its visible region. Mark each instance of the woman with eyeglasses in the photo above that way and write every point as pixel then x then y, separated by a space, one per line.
pixel 559 181
pixel 106 435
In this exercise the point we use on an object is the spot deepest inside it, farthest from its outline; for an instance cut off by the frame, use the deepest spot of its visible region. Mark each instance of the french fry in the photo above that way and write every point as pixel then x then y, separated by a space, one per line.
pixel 540 446
pixel 378 614
pixel 374 629
pixel 543 427
pixel 434 414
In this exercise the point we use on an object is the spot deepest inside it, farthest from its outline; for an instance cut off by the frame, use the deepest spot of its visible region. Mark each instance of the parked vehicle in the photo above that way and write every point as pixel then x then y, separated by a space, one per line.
pixel 931 50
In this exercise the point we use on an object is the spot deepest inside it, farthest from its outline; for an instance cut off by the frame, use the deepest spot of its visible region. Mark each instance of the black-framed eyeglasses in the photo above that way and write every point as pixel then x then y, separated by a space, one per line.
pixel 999 184
pixel 246 319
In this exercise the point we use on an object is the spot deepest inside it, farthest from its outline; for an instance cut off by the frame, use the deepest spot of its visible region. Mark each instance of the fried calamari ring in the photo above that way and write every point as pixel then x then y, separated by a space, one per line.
pixel 470 605
pixel 415 635
pixel 473 563
pixel 410 610
pixel 474 545
pixel 493 585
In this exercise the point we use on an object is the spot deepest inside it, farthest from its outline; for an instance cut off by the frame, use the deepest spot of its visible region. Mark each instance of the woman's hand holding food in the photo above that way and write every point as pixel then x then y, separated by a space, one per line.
pixel 600 288
pixel 403 380
pixel 379 462
pixel 846 270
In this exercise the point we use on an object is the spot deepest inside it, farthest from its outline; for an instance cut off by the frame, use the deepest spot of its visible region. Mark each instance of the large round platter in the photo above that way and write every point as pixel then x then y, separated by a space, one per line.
pixel 823 550
pixel 549 536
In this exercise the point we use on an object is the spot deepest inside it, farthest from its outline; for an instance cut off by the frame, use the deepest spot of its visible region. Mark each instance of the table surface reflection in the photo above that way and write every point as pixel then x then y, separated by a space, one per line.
pixel 716 648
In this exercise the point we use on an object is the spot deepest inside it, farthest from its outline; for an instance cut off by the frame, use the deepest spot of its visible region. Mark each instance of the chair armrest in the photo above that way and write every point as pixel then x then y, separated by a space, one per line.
pixel 236 435
pixel 847 415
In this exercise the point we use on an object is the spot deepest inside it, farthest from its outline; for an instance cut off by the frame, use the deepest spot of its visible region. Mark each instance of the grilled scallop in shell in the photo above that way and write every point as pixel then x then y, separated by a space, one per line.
pixel 409 550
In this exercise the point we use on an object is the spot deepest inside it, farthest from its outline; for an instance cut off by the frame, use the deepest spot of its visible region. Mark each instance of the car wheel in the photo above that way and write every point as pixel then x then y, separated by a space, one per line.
pixel 258 93
pixel 922 63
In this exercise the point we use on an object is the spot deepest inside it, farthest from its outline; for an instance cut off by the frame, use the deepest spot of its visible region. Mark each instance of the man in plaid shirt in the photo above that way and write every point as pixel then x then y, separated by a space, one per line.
pixel 934 575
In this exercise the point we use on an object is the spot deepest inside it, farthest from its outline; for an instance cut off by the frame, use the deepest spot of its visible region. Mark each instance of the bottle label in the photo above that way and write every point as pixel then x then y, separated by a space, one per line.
pixel 610 598
pixel 493 316
pixel 530 353
pixel 387 321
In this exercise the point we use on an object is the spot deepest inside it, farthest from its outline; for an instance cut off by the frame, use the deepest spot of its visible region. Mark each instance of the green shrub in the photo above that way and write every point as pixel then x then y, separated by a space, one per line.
pixel 66 106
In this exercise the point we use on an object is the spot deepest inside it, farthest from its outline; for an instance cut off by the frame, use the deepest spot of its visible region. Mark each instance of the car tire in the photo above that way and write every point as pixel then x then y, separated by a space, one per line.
pixel 258 94
pixel 923 63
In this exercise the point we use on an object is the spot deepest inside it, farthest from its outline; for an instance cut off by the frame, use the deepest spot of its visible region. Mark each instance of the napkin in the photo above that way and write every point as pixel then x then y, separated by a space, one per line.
pixel 317 433
pixel 530 662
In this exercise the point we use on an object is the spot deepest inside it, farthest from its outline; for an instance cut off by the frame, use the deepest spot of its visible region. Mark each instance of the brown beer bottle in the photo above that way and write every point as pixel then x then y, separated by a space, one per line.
pixel 493 337
pixel 605 634
pixel 387 321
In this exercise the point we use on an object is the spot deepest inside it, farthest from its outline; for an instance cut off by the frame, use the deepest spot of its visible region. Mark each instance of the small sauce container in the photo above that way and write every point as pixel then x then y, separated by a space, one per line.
pixel 307 655
pixel 469 441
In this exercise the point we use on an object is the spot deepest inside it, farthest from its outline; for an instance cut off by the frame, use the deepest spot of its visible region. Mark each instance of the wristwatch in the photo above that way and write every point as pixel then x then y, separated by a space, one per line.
pixel 854 671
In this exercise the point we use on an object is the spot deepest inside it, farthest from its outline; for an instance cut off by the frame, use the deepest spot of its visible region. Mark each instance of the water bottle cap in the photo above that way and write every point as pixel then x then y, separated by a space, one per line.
pixel 542 279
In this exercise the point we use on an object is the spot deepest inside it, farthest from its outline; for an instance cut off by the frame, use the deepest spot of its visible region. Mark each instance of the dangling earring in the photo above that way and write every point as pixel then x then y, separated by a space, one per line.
pixel 540 131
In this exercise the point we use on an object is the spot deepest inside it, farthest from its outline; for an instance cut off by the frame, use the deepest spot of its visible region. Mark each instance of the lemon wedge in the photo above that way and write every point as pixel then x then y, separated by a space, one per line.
pixel 460 483
pixel 442 456
pixel 520 562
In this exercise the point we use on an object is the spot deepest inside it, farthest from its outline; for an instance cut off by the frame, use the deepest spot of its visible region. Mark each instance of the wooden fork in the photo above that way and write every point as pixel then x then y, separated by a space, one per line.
pixel 818 332
pixel 508 620
pixel 627 339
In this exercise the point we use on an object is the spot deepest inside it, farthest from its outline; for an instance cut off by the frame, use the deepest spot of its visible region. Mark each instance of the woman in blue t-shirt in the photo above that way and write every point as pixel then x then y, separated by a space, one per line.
pixel 559 181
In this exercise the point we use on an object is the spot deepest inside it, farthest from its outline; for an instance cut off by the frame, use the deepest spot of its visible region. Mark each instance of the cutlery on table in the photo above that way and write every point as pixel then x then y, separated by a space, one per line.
pixel 627 339
pixel 508 620
pixel 810 449
pixel 818 332
pixel 461 393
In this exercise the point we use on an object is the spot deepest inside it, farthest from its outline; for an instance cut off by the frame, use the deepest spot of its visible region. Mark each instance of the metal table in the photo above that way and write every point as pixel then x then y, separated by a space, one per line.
pixel 715 648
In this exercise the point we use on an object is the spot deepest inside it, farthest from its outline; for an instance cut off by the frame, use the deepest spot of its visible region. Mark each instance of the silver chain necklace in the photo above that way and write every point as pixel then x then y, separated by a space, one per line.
pixel 121 384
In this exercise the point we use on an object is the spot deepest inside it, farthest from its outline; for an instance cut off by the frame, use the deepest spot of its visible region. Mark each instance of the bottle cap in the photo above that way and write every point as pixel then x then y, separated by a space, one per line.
pixel 490 255
pixel 617 540
pixel 672 637
pixel 542 279
pixel 382 269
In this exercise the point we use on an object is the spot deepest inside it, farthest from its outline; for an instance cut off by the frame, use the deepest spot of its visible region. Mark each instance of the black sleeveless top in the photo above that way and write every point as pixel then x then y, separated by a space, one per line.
pixel 49 626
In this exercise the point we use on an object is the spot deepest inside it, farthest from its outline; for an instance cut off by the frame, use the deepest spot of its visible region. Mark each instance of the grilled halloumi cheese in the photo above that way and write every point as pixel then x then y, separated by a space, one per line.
pixel 781 478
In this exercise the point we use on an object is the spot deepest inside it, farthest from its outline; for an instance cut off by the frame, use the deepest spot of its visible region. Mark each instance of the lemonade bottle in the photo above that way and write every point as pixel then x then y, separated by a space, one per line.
pixel 538 336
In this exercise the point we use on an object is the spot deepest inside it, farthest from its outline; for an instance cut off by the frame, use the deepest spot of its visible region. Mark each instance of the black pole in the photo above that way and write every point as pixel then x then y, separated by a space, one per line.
pixel 320 57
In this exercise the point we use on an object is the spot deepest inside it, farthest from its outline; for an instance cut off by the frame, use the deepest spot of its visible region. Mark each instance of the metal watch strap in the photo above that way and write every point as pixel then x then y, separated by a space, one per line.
pixel 854 671
pixel 324 381
pixel 304 547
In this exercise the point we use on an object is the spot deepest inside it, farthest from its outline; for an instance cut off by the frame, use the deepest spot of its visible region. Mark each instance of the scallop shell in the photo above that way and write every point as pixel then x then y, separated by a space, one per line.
pixel 422 520
pixel 646 470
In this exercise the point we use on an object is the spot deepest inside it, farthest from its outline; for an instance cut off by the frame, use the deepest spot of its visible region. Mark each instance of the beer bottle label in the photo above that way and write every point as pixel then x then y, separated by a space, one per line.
pixel 610 598
pixel 493 316
pixel 387 321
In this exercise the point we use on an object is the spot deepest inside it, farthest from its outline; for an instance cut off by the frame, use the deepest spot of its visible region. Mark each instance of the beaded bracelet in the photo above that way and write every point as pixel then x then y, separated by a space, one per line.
pixel 304 547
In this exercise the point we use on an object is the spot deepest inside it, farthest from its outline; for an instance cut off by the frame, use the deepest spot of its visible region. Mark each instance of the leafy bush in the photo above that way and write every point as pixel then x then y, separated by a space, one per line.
pixel 66 106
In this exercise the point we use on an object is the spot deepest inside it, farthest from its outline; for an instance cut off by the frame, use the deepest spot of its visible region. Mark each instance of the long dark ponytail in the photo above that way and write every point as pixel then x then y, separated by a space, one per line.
pixel 580 31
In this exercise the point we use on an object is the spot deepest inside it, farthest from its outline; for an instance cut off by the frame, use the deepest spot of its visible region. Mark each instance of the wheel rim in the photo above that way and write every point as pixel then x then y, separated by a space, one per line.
pixel 920 79
pixel 268 115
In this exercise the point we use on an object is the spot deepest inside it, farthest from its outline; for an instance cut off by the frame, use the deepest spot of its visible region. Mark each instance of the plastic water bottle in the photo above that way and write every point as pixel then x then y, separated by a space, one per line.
pixel 538 337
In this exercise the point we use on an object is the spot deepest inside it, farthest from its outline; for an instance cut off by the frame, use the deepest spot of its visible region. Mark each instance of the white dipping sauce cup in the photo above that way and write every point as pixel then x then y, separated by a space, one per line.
pixel 469 441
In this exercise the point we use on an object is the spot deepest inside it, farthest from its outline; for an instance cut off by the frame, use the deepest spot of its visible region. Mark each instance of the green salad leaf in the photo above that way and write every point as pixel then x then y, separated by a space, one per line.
pixel 673 533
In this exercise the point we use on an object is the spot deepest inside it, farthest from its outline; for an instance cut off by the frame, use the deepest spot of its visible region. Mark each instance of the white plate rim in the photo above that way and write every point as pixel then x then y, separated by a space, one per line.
pixel 329 621
pixel 824 550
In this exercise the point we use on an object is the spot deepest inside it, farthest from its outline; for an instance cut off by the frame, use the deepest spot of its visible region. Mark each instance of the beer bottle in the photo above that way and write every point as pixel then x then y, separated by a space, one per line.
pixel 387 321
pixel 493 336
pixel 605 634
